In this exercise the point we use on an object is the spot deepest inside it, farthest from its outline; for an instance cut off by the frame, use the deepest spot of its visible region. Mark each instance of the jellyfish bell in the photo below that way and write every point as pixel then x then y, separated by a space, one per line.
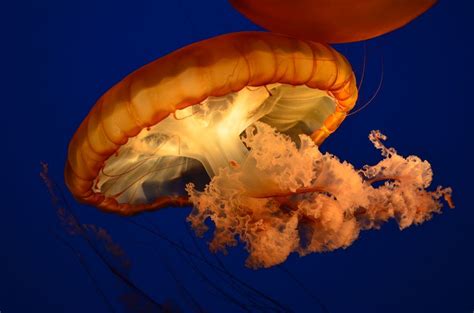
pixel 181 118
pixel 334 21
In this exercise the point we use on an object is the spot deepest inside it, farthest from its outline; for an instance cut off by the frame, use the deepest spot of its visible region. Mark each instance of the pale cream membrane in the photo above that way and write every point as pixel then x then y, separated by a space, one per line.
pixel 204 138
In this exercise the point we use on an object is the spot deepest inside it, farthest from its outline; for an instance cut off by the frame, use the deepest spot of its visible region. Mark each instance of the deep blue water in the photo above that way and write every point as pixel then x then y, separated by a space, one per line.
pixel 58 57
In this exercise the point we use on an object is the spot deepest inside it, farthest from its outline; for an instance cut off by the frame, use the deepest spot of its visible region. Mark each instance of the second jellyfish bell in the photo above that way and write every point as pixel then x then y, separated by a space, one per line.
pixel 332 21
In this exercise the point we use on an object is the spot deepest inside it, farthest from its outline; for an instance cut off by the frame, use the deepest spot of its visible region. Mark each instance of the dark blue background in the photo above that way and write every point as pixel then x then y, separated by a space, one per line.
pixel 60 56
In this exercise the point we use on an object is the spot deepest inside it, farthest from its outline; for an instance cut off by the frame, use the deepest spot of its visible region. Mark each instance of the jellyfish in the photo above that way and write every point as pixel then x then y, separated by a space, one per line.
pixel 331 21
pixel 231 126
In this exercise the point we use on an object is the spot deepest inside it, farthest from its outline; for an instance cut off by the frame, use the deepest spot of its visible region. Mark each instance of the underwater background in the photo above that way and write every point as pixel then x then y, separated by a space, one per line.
pixel 58 57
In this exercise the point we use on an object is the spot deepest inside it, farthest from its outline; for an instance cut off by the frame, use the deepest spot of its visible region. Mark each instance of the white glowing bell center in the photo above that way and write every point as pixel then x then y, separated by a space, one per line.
pixel 208 133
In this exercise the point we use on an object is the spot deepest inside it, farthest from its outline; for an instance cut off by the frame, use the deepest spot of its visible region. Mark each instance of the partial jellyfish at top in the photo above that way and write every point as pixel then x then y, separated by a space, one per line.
pixel 332 21
pixel 231 126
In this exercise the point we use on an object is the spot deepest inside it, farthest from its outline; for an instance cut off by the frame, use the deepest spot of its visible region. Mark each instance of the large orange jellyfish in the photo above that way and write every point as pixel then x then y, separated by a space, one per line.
pixel 231 126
